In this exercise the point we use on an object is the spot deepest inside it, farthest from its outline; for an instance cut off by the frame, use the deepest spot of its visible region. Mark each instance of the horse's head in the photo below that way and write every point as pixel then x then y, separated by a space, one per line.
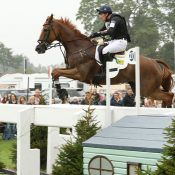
pixel 47 36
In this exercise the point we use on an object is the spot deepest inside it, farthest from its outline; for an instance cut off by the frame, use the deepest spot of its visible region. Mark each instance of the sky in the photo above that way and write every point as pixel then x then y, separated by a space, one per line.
pixel 21 23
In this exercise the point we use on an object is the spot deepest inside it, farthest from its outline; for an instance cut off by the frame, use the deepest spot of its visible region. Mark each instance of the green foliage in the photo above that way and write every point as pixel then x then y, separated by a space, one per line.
pixel 166 165
pixel 13 154
pixel 86 127
pixel 70 159
pixel 2 165
pixel 5 57
pixel 167 54
pixel 150 22
pixel 5 152
pixel 145 172
pixel 42 100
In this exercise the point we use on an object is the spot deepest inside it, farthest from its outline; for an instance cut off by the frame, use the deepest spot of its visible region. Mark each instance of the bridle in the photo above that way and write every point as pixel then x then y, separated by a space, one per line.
pixel 46 37
pixel 45 42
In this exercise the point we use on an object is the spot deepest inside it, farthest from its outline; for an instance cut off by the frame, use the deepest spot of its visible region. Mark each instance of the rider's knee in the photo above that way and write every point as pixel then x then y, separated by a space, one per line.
pixel 105 51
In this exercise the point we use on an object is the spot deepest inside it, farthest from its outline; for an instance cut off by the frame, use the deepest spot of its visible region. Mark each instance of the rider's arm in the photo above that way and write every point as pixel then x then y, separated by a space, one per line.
pixel 103 28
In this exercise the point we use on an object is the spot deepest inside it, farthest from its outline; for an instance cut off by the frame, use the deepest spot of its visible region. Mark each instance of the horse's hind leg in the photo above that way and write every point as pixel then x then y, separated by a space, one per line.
pixel 166 97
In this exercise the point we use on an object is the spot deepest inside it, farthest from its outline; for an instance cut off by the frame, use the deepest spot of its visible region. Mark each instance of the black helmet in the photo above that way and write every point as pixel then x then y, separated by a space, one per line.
pixel 104 9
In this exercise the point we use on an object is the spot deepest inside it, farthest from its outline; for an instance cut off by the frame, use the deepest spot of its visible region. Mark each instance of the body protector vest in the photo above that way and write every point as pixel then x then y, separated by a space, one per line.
pixel 116 28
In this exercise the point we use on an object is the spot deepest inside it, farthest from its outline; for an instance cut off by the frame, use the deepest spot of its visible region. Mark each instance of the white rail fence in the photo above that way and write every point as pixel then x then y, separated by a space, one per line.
pixel 56 116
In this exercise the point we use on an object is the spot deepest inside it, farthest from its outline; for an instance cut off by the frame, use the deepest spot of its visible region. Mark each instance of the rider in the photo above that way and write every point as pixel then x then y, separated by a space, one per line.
pixel 115 27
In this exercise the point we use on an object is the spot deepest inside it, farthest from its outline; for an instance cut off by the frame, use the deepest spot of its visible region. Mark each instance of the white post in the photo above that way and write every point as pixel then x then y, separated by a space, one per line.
pixel 108 92
pixel 53 139
pixel 50 84
pixel 137 78
pixel 28 160
pixel 112 69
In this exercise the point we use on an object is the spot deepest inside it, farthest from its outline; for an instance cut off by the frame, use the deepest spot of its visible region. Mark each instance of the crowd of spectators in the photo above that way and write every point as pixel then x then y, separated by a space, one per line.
pixel 9 129
pixel 117 98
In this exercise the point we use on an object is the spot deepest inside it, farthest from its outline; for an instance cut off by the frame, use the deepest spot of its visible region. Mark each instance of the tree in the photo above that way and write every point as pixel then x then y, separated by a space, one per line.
pixel 168 6
pixel 147 20
pixel 147 38
pixel 5 57
pixel 2 165
pixel 166 165
pixel 166 52
pixel 70 159
pixel 18 63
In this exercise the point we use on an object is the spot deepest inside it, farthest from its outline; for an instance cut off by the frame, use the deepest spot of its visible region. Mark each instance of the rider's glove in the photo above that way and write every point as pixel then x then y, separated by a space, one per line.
pixel 96 34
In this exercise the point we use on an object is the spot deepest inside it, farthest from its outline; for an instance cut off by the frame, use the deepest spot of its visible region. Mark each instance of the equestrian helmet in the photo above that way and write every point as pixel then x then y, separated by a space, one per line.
pixel 104 9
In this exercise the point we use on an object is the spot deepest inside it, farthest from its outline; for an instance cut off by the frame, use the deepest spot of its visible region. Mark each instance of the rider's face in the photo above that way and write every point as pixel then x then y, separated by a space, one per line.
pixel 103 16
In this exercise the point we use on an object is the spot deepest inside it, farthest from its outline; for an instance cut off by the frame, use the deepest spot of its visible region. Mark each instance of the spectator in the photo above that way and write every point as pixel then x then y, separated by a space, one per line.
pixel 96 97
pixel 116 100
pixel 53 101
pixel 31 100
pixel 9 131
pixel 37 96
pixel 13 99
pixel 10 128
pixel 8 97
pixel 102 99
pixel 88 100
pixel 4 99
pixel 22 100
pixel 129 98
pixel 74 100
pixel 150 102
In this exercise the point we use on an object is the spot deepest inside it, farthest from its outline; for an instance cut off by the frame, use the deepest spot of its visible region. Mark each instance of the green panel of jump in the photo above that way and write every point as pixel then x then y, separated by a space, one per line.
pixel 123 153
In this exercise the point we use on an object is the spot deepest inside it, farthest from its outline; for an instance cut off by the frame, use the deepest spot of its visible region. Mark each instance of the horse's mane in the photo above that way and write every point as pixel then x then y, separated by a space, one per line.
pixel 69 24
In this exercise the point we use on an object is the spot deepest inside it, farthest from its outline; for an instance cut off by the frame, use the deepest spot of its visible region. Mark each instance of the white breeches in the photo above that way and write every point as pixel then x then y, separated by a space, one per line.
pixel 113 46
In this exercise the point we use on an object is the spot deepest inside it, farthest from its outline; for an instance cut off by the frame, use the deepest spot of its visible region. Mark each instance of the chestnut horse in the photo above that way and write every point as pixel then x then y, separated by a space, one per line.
pixel 156 80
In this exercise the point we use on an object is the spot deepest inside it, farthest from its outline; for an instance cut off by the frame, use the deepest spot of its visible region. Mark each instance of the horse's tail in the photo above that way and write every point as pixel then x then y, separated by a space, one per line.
pixel 167 79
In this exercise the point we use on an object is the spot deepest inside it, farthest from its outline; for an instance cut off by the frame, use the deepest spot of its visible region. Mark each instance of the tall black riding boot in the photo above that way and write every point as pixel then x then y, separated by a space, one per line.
pixel 106 57
pixel 100 76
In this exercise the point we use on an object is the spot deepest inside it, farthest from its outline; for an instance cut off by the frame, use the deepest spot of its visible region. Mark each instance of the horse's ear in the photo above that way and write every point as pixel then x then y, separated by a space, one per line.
pixel 51 17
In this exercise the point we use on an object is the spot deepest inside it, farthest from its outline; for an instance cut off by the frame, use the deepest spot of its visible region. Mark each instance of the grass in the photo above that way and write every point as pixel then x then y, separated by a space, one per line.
pixel 5 152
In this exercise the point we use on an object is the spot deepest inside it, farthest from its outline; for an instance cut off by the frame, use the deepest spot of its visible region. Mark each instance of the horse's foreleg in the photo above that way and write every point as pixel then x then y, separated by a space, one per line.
pixel 69 73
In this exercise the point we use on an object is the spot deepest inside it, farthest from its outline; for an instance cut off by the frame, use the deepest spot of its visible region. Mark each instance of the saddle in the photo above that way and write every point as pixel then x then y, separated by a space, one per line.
pixel 111 56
